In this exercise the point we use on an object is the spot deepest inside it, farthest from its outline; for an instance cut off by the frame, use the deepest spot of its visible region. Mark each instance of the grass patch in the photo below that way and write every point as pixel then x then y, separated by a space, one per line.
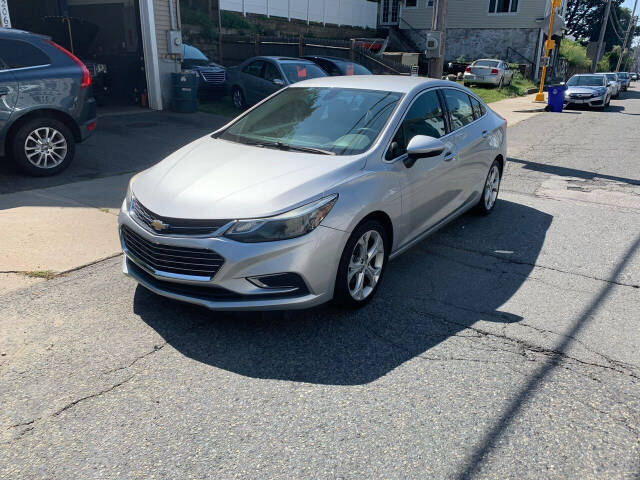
pixel 221 106
pixel 46 274
pixel 518 88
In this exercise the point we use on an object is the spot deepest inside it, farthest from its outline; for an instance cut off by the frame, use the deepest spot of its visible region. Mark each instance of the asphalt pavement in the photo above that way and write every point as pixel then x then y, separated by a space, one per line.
pixel 500 347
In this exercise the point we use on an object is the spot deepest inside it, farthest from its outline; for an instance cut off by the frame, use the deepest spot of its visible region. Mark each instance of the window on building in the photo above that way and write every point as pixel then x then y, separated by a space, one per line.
pixel 411 3
pixel 503 6
pixel 19 54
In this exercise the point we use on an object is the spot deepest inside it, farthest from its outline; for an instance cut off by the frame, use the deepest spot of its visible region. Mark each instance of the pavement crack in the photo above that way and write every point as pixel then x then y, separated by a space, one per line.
pixel 156 348
pixel 536 265
pixel 93 395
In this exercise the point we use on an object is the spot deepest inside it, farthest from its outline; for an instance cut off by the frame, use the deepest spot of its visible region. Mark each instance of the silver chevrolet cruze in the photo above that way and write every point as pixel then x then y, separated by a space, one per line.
pixel 306 196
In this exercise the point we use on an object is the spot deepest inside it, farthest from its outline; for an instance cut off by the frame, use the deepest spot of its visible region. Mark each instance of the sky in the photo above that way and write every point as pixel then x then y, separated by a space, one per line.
pixel 629 5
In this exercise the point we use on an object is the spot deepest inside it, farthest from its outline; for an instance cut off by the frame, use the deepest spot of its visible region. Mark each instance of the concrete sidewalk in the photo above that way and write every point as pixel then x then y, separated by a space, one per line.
pixel 48 231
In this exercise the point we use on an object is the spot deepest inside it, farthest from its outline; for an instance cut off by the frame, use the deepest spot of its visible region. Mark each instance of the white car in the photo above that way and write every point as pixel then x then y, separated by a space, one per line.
pixel 305 197
pixel 614 83
pixel 488 72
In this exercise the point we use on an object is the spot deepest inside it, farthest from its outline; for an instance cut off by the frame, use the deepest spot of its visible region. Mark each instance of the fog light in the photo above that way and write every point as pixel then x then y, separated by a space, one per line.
pixel 290 282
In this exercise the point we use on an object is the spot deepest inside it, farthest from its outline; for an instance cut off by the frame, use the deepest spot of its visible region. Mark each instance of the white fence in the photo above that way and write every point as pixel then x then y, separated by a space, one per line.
pixel 357 13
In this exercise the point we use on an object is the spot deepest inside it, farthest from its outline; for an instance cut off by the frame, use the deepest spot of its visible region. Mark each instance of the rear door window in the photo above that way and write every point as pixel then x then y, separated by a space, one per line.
pixel 254 68
pixel 459 106
pixel 271 72
pixel 19 54
pixel 478 108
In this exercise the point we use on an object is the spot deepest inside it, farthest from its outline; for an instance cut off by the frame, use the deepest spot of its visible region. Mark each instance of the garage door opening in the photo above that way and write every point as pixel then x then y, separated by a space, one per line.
pixel 104 34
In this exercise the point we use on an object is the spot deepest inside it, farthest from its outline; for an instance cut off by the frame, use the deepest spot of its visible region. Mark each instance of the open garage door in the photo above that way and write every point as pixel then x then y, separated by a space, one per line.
pixel 105 34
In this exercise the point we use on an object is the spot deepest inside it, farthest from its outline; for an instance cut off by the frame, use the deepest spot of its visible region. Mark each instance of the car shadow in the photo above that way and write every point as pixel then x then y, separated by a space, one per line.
pixel 462 274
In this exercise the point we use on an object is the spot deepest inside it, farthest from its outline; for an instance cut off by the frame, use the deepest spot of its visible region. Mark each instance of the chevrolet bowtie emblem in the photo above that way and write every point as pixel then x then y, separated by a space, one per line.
pixel 159 225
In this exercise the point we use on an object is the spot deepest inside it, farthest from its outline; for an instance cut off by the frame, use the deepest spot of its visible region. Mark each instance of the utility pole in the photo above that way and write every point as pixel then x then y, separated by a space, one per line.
pixel 603 29
pixel 632 22
pixel 549 45
pixel 439 24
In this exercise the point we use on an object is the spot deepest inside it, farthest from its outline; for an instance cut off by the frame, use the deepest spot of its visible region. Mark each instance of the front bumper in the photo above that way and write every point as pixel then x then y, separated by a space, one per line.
pixel 314 257
pixel 589 101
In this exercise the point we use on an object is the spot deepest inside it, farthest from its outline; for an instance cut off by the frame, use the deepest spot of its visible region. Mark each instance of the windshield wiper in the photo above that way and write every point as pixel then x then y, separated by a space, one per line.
pixel 287 146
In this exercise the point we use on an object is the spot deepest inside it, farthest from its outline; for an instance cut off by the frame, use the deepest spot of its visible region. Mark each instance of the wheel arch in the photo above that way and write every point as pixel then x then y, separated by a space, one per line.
pixel 385 220
pixel 42 113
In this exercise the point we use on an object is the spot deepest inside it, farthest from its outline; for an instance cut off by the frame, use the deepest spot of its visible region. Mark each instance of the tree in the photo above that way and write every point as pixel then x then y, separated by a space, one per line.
pixel 584 20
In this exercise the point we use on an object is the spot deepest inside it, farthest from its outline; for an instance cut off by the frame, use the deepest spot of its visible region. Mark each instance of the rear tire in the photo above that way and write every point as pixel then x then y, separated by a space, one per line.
pixel 489 196
pixel 237 97
pixel 363 262
pixel 43 147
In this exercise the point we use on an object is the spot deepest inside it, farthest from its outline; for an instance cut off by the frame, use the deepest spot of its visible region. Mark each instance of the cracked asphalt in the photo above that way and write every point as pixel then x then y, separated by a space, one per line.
pixel 501 347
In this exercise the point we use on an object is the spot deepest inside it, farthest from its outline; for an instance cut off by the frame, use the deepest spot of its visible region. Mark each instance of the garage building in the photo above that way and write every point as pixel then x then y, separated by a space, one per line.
pixel 131 47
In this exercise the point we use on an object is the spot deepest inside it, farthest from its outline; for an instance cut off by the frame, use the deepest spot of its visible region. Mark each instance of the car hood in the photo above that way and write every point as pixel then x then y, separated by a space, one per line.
pixel 217 179
pixel 578 90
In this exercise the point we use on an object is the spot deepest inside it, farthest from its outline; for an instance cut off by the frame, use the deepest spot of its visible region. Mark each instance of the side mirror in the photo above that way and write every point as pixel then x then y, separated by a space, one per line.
pixel 562 83
pixel 422 146
pixel 278 81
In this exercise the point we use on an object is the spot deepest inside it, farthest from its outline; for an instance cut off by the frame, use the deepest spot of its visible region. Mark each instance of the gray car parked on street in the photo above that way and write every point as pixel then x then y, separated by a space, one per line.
pixel 258 77
pixel 46 102
pixel 305 197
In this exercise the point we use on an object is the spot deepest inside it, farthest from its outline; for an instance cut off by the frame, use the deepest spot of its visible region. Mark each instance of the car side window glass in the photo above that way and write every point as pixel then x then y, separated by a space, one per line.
pixel 19 54
pixel 425 117
pixel 459 105
pixel 254 68
pixel 478 108
pixel 271 72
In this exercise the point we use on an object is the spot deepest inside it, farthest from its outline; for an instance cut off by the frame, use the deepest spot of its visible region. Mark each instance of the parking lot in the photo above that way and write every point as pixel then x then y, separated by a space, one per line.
pixel 504 347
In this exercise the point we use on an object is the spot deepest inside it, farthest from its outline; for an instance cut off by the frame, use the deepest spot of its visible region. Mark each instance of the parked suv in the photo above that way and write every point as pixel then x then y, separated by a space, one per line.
pixel 46 102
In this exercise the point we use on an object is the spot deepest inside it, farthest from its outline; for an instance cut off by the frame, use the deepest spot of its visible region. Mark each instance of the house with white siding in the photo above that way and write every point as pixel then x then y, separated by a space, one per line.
pixel 513 30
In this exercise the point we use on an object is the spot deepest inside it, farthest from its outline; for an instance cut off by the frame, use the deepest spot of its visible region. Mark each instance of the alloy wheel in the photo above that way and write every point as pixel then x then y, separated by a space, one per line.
pixel 491 187
pixel 45 147
pixel 237 98
pixel 365 265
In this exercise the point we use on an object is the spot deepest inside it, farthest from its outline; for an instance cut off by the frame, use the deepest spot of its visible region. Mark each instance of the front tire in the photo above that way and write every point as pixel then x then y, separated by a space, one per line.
pixel 43 147
pixel 487 201
pixel 362 265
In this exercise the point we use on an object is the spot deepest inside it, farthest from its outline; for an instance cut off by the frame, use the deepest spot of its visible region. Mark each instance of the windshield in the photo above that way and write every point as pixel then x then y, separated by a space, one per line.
pixel 623 75
pixel 297 72
pixel 341 121
pixel 193 56
pixel 586 81
pixel 486 63
pixel 612 76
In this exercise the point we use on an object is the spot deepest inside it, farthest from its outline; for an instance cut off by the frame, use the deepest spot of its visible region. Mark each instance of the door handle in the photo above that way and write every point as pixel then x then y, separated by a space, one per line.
pixel 449 156
pixel 485 133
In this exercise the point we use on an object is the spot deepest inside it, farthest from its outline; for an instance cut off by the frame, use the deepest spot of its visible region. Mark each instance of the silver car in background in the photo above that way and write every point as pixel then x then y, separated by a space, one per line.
pixel 614 83
pixel 625 80
pixel 488 72
pixel 305 197
pixel 591 90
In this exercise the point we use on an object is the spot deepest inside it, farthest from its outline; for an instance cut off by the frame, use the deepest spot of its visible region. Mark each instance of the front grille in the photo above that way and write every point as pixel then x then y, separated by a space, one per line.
pixel 175 226
pixel 213 76
pixel 196 262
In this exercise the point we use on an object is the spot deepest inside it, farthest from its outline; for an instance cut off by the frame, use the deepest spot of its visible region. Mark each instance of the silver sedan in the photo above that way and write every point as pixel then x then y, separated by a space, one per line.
pixel 305 197
pixel 488 72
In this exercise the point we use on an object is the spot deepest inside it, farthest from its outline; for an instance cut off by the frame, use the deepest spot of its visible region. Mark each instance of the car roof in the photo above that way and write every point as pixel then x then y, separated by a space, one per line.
pixel 328 57
pixel 281 59
pixel 14 32
pixel 390 83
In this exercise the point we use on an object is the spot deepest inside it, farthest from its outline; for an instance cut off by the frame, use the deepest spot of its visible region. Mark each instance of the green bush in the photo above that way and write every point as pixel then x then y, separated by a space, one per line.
pixel 193 16
pixel 234 20
pixel 575 53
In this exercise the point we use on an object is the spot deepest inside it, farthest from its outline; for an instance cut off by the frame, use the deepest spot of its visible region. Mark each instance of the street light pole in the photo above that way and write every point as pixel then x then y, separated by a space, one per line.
pixel 439 24
pixel 548 46
pixel 603 29
pixel 632 21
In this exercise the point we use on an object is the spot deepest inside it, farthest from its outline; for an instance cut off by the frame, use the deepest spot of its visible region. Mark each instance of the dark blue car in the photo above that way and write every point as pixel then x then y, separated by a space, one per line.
pixel 211 76
pixel 46 102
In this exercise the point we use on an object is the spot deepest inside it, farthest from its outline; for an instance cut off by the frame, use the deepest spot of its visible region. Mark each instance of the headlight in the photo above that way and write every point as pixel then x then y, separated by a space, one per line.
pixel 129 198
pixel 291 224
pixel 101 68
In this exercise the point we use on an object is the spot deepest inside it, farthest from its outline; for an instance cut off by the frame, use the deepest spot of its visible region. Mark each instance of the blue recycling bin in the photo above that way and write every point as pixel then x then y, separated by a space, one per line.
pixel 555 97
